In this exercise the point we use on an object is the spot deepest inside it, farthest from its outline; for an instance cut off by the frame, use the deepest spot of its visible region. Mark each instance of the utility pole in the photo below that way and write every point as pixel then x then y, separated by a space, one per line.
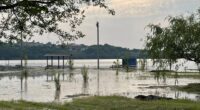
pixel 21 50
pixel 97 44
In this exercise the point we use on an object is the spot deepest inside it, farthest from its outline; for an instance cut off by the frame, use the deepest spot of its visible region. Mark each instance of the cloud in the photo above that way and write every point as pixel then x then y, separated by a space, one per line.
pixel 129 8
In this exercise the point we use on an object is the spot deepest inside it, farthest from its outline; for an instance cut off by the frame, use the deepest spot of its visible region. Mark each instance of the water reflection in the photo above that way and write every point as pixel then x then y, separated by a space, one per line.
pixel 57 80
pixel 57 85
pixel 117 79
pixel 98 86
pixel 117 71
pixel 25 86
pixel 85 88
pixel 71 76
pixel 127 75
pixel 84 72
pixel 47 76
pixel 54 75
pixel 160 77
pixel 57 95
pixel 157 93
pixel 177 94
pixel 63 74
pixel 176 78
pixel 24 82
pixel 50 74
pixel 21 80
pixel 10 77
pixel 100 82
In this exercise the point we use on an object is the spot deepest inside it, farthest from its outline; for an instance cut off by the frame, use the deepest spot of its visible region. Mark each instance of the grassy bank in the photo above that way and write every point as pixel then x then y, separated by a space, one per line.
pixel 191 88
pixel 104 103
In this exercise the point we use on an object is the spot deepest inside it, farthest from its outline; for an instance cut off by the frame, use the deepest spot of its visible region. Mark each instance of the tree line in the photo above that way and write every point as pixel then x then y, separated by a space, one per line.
pixel 33 50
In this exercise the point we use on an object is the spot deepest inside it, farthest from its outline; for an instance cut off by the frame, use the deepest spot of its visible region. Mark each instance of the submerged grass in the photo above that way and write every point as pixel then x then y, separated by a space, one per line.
pixel 191 88
pixel 104 103
pixel 71 64
pixel 84 72
pixel 194 75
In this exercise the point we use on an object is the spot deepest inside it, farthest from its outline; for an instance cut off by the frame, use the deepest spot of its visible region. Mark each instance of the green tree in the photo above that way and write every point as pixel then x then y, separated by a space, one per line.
pixel 23 18
pixel 181 39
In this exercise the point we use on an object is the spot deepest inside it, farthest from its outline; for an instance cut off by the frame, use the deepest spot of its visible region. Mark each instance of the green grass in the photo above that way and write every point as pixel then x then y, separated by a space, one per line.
pixel 104 103
pixel 191 88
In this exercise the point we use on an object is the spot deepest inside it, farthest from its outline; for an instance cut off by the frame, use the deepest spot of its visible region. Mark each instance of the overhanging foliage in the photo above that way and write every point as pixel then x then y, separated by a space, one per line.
pixel 181 39
pixel 23 18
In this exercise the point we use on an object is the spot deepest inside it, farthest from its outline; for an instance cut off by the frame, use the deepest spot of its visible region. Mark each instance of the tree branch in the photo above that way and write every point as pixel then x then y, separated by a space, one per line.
pixel 22 2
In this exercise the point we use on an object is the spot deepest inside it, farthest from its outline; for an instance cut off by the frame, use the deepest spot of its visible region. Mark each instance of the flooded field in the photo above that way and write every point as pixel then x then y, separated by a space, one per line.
pixel 39 84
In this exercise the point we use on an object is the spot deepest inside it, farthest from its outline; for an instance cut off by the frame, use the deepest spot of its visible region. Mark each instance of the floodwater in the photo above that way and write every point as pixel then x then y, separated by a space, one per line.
pixel 39 84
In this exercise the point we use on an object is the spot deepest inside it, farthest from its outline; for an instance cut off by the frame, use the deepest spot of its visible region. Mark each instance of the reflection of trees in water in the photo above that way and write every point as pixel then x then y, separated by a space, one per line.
pixel 47 76
pixel 117 71
pixel 63 74
pixel 71 75
pixel 57 81
pixel 85 88
pixel 50 76
pixel 116 65
pixel 57 95
pixel 57 85
pixel 143 64
pixel 157 93
pixel 24 77
pixel 176 78
pixel 160 76
pixel 24 82
pixel 117 79
pixel 10 77
pixel 55 75
pixel 177 94
pixel 127 75
pixel 84 72
pixel 25 86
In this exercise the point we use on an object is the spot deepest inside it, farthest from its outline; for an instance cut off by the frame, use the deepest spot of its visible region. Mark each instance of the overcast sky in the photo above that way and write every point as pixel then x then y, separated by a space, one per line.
pixel 127 27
